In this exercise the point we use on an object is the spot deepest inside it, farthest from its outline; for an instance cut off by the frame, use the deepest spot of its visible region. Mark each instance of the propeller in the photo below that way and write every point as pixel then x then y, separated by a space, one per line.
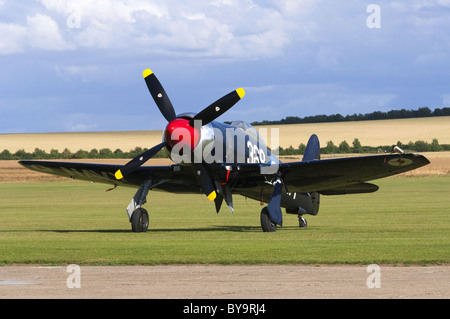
pixel 206 116
pixel 138 161
pixel 219 107
pixel 205 181
pixel 159 95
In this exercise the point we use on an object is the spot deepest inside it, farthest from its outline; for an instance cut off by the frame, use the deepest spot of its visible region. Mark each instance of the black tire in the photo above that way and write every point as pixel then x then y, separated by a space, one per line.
pixel 302 222
pixel 266 224
pixel 139 221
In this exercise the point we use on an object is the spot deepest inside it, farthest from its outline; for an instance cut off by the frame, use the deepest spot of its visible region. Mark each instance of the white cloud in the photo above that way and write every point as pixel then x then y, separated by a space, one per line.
pixel 220 29
pixel 13 38
pixel 79 122
pixel 445 100
pixel 43 33
pixel 40 32
pixel 85 73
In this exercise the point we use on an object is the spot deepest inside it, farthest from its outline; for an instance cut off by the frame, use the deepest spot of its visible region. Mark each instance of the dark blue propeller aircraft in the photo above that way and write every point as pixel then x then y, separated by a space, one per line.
pixel 221 159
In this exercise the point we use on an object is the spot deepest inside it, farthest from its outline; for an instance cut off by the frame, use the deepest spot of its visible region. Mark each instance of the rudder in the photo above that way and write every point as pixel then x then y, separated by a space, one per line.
pixel 312 150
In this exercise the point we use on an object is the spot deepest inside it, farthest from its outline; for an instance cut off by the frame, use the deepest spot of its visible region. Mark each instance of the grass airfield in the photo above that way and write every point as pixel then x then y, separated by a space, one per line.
pixel 49 220
pixel 63 222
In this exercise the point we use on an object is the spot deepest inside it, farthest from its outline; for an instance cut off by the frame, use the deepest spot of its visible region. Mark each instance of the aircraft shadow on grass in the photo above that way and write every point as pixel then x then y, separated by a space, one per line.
pixel 225 228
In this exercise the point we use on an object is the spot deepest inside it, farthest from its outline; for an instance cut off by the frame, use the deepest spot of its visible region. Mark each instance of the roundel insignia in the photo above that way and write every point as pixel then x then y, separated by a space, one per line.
pixel 400 161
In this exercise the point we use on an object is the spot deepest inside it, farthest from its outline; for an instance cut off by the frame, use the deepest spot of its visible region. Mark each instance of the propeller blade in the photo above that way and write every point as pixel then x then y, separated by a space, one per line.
pixel 138 161
pixel 218 108
pixel 204 180
pixel 159 95
pixel 218 201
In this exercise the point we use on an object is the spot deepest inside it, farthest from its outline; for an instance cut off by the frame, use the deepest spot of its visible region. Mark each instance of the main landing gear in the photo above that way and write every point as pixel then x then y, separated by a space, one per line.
pixel 139 220
pixel 268 226
pixel 137 215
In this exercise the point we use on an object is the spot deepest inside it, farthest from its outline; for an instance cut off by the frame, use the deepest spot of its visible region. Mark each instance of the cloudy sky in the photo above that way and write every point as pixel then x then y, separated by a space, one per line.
pixel 77 65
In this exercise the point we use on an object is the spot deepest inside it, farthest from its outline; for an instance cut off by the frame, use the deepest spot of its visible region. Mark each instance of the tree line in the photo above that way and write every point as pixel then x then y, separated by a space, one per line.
pixel 344 148
pixel 104 153
pixel 330 148
pixel 378 115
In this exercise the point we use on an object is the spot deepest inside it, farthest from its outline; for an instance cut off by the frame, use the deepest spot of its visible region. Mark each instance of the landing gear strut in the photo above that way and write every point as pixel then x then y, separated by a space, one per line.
pixel 137 215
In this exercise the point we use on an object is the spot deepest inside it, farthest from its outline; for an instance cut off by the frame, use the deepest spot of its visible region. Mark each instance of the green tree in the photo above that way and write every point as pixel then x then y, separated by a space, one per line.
pixel 94 153
pixel 118 153
pixel 6 155
pixel 40 154
pixel 435 147
pixel 81 154
pixel 66 154
pixel 54 154
pixel 357 148
pixel 21 154
pixel 301 148
pixel 105 153
pixel 330 148
pixel 344 147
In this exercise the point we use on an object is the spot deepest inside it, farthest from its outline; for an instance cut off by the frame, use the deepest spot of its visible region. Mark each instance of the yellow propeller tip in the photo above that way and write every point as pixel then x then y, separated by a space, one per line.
pixel 212 196
pixel 147 72
pixel 240 92
pixel 118 174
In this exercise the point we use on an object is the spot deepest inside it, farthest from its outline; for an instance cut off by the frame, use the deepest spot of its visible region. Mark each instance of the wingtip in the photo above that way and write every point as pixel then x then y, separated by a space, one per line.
pixel 147 72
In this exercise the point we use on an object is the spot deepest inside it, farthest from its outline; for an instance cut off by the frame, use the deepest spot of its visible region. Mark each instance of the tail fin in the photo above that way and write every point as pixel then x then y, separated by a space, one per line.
pixel 312 151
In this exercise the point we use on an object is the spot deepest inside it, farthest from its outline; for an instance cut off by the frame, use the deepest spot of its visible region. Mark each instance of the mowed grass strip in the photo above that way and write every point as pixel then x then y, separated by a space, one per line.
pixel 406 222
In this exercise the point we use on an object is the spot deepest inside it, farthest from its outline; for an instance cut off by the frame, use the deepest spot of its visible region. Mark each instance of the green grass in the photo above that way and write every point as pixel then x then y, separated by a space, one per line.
pixel 406 222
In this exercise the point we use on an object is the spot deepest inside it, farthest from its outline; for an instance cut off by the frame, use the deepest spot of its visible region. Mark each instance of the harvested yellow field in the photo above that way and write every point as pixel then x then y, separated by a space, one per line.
pixel 369 133
pixel 124 140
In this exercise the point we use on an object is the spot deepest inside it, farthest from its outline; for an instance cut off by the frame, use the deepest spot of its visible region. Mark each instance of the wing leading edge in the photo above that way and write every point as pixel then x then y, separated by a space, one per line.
pixel 332 175
pixel 171 178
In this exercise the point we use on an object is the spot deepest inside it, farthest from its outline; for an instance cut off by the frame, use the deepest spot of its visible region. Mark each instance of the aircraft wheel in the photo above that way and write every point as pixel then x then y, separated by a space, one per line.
pixel 139 221
pixel 266 224
pixel 302 222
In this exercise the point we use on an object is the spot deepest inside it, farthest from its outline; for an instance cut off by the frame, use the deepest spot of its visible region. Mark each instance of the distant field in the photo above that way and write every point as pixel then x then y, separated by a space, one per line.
pixel 369 133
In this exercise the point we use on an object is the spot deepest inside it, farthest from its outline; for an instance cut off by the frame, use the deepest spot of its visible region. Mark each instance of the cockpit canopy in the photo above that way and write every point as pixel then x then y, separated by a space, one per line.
pixel 249 129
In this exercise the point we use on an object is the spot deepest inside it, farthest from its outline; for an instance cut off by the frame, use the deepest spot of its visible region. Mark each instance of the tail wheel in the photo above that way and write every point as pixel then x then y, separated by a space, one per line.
pixel 139 221
pixel 266 224
pixel 302 222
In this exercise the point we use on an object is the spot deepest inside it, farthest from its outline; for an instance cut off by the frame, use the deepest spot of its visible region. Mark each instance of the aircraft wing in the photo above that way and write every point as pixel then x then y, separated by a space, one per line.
pixel 329 176
pixel 333 176
pixel 171 178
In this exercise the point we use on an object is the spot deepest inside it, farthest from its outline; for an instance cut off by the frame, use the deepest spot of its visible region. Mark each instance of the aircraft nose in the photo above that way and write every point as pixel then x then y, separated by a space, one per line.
pixel 179 131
